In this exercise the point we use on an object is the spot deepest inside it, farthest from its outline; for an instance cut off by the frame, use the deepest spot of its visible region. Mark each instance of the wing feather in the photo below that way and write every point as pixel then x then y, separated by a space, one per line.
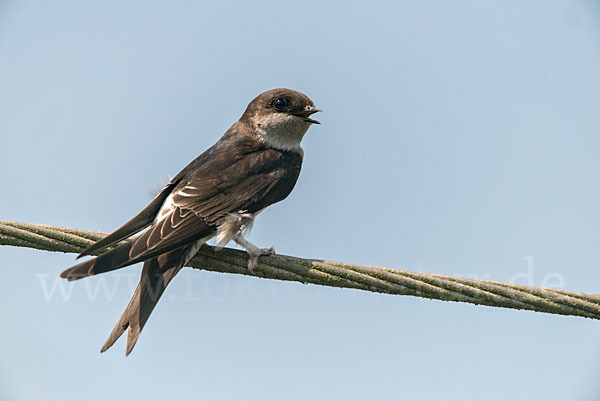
pixel 140 221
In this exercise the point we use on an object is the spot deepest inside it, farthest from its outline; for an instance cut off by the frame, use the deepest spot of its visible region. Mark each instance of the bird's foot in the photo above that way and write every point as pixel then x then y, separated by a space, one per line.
pixel 254 251
pixel 255 254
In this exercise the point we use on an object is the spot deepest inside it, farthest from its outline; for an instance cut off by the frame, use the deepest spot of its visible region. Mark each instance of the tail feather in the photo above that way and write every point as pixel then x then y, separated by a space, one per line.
pixel 123 322
pixel 156 275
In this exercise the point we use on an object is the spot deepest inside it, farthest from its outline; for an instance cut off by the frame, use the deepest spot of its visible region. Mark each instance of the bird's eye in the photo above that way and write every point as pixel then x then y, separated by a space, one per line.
pixel 280 104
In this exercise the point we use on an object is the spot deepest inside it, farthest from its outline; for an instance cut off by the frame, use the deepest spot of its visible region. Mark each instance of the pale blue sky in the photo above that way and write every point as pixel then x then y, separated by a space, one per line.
pixel 458 138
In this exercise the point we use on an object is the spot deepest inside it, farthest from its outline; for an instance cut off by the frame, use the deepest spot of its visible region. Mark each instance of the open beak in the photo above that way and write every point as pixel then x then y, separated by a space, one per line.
pixel 304 114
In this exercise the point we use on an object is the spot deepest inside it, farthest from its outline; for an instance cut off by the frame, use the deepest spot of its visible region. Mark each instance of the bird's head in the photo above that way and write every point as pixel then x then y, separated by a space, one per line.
pixel 281 117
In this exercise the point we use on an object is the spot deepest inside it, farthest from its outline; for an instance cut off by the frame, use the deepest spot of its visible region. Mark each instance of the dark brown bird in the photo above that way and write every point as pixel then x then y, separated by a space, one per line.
pixel 255 164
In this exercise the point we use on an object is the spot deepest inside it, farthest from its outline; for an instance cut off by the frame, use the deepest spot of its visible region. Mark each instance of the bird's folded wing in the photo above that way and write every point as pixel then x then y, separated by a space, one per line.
pixel 193 216
pixel 140 221
pixel 192 209
pixel 174 230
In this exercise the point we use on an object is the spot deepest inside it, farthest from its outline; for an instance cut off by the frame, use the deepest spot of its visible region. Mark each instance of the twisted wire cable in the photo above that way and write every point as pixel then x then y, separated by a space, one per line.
pixel 334 274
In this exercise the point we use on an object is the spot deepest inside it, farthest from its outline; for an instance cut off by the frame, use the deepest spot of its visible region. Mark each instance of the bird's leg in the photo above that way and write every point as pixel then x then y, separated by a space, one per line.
pixel 232 227
pixel 254 251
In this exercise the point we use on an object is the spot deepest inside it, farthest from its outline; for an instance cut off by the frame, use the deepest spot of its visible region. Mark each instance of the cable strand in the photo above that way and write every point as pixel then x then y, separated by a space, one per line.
pixel 334 274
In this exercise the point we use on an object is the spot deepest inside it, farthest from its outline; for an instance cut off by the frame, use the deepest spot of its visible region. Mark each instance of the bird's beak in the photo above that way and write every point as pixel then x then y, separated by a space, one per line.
pixel 304 114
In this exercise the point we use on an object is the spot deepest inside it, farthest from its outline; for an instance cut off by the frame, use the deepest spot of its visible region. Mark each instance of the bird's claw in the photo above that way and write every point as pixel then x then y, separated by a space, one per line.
pixel 253 259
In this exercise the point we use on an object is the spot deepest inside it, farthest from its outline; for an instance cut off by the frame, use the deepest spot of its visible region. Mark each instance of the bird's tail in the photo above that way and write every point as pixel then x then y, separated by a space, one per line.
pixel 156 275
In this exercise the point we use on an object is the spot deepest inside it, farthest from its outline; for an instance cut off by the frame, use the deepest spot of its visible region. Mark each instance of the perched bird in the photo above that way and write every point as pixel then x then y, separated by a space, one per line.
pixel 255 163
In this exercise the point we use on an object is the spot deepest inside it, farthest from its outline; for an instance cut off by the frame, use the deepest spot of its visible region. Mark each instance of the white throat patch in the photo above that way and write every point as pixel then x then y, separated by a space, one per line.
pixel 282 131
